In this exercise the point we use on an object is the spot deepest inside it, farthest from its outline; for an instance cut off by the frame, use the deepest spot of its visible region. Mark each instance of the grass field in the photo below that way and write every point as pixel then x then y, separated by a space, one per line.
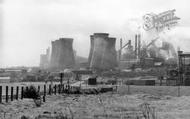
pixel 103 106
pixel 155 90
pixel 125 103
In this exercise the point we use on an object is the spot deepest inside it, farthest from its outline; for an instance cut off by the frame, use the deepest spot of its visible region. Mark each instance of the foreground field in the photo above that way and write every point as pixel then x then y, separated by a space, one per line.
pixel 113 105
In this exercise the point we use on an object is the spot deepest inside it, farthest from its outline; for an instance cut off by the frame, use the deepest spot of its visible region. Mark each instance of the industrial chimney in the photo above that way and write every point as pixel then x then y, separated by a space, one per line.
pixel 136 45
pixel 62 55
pixel 139 45
pixel 102 53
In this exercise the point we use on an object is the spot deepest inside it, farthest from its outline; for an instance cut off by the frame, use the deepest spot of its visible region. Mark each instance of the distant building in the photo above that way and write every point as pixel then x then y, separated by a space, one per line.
pixel 5 79
pixel 44 59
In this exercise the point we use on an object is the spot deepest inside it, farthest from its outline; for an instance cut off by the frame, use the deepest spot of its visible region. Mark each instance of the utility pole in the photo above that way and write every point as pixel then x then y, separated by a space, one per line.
pixel 120 49
pixel 61 78
pixel 179 72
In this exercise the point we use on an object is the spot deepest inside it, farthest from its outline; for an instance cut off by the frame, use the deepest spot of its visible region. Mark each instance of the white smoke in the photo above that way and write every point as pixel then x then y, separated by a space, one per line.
pixel 179 37
pixel 175 37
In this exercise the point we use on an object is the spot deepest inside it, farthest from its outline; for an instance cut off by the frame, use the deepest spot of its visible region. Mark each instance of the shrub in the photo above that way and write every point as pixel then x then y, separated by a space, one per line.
pixel 24 117
pixel 31 92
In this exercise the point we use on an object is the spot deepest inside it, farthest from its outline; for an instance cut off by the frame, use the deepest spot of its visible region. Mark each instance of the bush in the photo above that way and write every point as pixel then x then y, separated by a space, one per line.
pixel 24 117
pixel 31 92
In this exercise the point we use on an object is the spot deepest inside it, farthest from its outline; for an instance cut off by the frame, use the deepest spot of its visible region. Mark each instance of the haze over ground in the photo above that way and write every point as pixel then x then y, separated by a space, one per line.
pixel 29 26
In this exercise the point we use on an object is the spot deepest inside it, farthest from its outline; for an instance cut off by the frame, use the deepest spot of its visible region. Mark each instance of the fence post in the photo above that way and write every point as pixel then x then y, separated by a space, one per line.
pixel 55 89
pixel 39 89
pixel 0 94
pixel 62 88
pixel 17 89
pixel 11 93
pixel 22 91
pixel 7 96
pixel 59 89
pixel 71 89
pixel 61 78
pixel 44 96
pixel 49 89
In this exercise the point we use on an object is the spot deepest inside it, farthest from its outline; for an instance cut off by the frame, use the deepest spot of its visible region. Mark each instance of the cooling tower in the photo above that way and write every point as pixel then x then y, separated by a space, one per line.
pixel 62 55
pixel 91 48
pixel 102 53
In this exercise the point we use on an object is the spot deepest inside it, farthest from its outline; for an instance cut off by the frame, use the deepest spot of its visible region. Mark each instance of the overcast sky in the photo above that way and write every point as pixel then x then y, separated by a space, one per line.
pixel 29 26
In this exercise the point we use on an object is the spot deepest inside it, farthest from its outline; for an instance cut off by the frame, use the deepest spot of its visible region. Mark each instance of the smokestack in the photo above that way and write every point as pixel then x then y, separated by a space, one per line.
pixel 103 53
pixel 62 54
pixel 129 42
pixel 136 37
pixel 120 49
pixel 139 45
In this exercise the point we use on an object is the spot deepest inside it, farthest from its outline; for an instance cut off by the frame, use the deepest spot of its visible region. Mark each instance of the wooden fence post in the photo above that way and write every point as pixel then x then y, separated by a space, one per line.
pixel 22 91
pixel 59 89
pixel 49 89
pixel 68 89
pixel 44 96
pixel 0 94
pixel 62 88
pixel 55 89
pixel 17 89
pixel 7 96
pixel 39 89
pixel 71 89
pixel 11 93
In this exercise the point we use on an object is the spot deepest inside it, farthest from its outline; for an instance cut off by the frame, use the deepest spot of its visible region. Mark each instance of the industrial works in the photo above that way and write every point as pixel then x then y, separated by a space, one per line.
pixel 130 61
pixel 120 79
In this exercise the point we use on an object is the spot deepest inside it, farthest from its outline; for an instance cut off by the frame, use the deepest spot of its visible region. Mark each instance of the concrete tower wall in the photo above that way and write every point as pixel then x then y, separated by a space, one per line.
pixel 103 53
pixel 110 55
pixel 91 48
pixel 62 54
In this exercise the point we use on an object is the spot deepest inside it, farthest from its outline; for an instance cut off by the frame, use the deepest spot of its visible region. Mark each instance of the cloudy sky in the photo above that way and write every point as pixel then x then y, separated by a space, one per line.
pixel 29 26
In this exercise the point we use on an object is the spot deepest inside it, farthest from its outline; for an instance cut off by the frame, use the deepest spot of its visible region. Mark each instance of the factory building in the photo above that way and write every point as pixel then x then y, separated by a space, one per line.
pixel 44 59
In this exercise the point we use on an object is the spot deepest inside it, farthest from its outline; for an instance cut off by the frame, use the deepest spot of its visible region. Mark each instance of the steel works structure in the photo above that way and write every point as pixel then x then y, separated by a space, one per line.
pixel 184 68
